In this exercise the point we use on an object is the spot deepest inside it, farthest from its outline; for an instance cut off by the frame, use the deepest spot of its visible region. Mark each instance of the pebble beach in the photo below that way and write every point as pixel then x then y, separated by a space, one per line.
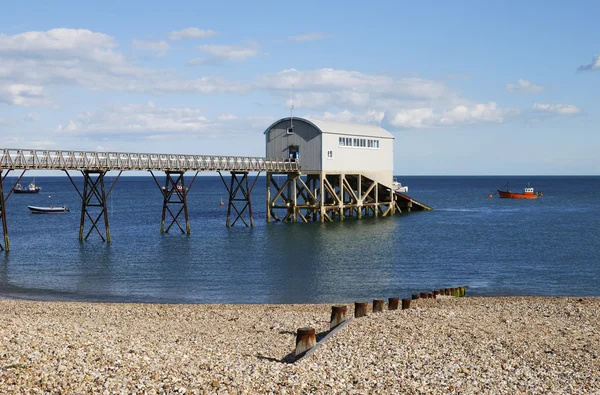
pixel 447 345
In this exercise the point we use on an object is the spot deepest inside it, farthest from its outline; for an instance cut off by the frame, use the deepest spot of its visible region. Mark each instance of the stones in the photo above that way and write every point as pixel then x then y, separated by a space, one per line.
pixel 466 345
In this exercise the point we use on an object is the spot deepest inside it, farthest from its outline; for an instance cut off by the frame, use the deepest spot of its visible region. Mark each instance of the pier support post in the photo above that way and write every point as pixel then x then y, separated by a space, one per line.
pixel 239 190
pixel 393 303
pixel 174 192
pixel 6 246
pixel 94 196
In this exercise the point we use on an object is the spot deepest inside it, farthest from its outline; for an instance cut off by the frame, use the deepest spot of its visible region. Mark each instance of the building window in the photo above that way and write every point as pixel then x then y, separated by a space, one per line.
pixel 329 154
pixel 342 141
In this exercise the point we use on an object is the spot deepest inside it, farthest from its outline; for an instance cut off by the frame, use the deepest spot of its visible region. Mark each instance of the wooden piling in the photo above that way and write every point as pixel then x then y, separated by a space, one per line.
pixel 338 315
pixel 424 295
pixel 306 338
pixel 378 305
pixel 415 296
pixel 393 303
pixel 405 303
pixel 360 309
pixel 447 291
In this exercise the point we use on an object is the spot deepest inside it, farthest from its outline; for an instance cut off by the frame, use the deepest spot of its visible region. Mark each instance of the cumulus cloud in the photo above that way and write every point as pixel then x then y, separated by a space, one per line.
pixel 149 121
pixel 330 80
pixel 190 33
pixel 595 65
pixel 459 115
pixel 559 109
pixel 78 57
pixel 524 86
pixel 218 54
pixel 22 95
pixel 307 37
pixel 137 118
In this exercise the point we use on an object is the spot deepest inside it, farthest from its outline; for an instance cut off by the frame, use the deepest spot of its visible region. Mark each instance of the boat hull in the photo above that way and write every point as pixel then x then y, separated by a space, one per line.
pixel 512 195
pixel 48 210
pixel 26 191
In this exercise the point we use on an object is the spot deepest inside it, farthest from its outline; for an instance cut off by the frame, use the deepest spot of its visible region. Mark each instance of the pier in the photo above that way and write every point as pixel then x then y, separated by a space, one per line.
pixel 330 171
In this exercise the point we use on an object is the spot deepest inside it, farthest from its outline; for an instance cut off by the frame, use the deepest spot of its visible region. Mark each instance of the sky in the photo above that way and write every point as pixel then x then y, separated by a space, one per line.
pixel 465 87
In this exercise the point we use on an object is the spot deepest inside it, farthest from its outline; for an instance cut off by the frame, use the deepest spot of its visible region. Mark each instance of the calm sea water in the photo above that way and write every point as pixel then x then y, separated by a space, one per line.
pixel 547 246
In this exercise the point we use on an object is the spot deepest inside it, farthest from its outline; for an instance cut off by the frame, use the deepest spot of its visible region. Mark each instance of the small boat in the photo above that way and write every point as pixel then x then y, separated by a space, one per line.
pixel 397 187
pixel 528 193
pixel 31 188
pixel 48 210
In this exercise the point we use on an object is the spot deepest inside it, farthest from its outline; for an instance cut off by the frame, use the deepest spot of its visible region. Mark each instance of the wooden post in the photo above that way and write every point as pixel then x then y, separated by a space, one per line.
pixel 393 303
pixel 377 305
pixel 360 309
pixel 306 338
pixel 338 315
pixel 424 295
pixel 415 296
pixel 405 303
pixel 447 291
pixel 432 295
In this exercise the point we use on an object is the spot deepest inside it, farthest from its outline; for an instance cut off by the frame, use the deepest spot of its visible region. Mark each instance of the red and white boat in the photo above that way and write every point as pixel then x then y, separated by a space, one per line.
pixel 528 193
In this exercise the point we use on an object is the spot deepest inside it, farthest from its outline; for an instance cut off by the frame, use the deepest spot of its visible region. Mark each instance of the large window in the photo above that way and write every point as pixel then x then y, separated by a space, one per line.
pixel 353 142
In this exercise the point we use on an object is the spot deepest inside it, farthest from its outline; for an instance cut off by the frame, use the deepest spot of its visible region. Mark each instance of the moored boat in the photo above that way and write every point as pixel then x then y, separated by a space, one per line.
pixel 528 193
pixel 48 210
pixel 31 188
pixel 397 187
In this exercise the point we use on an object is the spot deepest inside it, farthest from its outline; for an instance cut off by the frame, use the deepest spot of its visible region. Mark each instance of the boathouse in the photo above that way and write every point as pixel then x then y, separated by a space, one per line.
pixel 333 147
pixel 345 170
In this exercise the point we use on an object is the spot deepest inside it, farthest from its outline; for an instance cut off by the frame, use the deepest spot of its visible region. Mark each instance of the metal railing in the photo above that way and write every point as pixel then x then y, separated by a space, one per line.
pixel 31 159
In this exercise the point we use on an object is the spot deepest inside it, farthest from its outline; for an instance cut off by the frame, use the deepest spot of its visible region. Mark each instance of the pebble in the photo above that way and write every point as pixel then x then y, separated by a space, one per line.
pixel 461 345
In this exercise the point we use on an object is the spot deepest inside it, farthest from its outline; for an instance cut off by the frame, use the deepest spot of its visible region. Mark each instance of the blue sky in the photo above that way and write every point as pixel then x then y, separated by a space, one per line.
pixel 466 87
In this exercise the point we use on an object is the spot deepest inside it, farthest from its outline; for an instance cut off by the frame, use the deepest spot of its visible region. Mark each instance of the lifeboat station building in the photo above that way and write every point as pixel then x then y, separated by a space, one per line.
pixel 345 170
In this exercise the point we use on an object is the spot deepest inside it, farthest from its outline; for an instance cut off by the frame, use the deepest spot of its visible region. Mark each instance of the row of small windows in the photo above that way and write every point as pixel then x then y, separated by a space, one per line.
pixel 361 143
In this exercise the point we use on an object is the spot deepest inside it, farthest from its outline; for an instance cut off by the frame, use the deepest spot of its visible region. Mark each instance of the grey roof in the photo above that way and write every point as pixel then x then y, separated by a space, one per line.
pixel 351 129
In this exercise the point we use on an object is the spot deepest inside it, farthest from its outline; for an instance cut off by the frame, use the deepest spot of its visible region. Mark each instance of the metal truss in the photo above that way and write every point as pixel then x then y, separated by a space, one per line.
pixel 31 159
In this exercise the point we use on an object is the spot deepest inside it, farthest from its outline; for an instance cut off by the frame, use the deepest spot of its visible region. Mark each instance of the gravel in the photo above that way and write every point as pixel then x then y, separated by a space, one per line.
pixel 448 345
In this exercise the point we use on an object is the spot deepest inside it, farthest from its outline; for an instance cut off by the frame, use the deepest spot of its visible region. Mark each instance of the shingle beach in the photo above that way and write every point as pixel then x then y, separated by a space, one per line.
pixel 450 345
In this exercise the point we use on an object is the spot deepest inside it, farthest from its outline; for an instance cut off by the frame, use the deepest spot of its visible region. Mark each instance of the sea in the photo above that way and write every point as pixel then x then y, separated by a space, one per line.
pixel 548 246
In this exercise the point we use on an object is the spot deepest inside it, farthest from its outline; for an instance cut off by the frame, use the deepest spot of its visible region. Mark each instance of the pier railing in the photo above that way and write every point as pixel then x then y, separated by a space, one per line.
pixel 31 159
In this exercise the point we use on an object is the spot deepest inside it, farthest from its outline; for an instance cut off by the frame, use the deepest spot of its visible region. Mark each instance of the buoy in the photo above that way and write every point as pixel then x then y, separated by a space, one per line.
pixel 489 196
pixel 221 203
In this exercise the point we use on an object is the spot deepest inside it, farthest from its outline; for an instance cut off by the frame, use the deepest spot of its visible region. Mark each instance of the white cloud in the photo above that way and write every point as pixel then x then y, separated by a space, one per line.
pixel 369 117
pixel 77 57
pixel 148 121
pixel 307 37
pixel 330 80
pixel 459 115
pixel 221 53
pixel 160 47
pixel 137 118
pixel 227 117
pixel 524 86
pixel 21 94
pixel 560 109
pixel 189 33
pixel 595 65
